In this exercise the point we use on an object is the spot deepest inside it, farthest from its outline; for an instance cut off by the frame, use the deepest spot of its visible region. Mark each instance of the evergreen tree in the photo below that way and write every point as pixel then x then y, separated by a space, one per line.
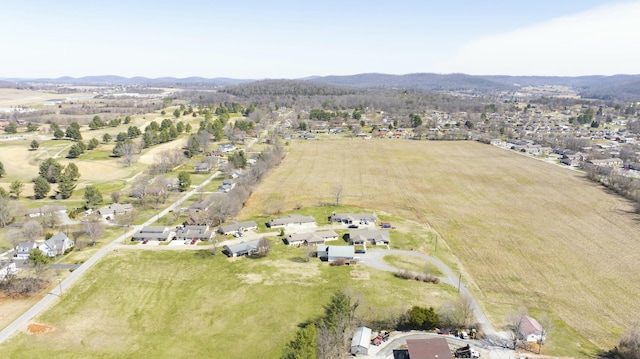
pixel 2 170
pixel 303 346
pixel 184 181
pixel 16 188
pixel 72 172
pixel 34 145
pixel 92 197
pixel 66 186
pixel 41 187
pixel 50 169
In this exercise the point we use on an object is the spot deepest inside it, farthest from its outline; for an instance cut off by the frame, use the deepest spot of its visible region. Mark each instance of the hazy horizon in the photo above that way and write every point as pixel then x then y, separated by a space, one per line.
pixel 284 39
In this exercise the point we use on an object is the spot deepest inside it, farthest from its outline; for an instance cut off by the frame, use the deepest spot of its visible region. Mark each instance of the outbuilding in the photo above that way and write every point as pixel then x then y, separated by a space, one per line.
pixel 360 341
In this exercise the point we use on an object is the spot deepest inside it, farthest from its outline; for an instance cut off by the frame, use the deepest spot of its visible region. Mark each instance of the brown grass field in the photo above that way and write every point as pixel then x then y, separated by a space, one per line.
pixel 524 232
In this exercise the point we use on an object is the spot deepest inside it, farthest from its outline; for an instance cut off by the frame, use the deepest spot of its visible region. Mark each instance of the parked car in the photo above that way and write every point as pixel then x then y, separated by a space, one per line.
pixel 194 241
pixel 237 234
pixel 353 226
pixel 145 241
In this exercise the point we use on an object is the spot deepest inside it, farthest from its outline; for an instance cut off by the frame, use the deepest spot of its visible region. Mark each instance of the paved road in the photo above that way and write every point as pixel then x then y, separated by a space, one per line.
pixel 45 302
pixel 374 258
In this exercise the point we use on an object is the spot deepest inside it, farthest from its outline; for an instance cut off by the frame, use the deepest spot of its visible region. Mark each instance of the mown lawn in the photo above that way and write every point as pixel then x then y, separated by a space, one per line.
pixel 169 304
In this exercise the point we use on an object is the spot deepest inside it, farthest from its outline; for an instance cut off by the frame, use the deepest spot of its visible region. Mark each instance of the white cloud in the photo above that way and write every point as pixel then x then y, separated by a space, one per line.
pixel 600 41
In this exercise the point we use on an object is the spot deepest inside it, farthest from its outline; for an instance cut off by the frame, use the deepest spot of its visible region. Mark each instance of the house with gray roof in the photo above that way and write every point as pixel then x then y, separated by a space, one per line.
pixel 292 220
pixel 335 252
pixel 48 210
pixel 311 238
pixel 369 236
pixel 156 233
pixel 234 227
pixel 350 218
pixel 199 232
pixel 241 249
pixel 56 245
pixel 115 209
pixel 23 250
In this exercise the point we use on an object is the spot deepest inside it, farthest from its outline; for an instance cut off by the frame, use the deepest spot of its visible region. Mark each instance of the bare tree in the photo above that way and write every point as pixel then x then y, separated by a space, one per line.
pixel 93 227
pixel 264 247
pixel 515 321
pixel 337 192
pixel 5 211
pixel 126 219
pixel 127 150
pixel 204 138
pixel 140 188
pixel 547 327
pixel 465 307
pixel 115 196
pixel 31 230
pixel 51 220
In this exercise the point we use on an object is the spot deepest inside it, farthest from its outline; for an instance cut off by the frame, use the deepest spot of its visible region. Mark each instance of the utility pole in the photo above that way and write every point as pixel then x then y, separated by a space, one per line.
pixel 60 285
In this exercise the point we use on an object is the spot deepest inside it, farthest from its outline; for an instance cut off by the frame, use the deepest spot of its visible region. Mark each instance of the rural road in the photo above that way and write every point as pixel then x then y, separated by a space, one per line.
pixel 45 302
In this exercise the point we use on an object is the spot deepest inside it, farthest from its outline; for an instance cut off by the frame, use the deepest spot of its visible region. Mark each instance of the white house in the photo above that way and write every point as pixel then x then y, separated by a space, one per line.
pixel 115 209
pixel 234 227
pixel 56 245
pixel 23 250
pixel 311 238
pixel 292 220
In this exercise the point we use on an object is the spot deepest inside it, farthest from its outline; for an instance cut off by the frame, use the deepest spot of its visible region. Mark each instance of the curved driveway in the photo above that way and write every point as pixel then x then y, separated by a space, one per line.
pixel 374 258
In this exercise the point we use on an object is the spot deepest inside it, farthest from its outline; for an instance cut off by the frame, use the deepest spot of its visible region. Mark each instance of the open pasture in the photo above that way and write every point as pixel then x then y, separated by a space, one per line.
pixel 524 232
pixel 177 304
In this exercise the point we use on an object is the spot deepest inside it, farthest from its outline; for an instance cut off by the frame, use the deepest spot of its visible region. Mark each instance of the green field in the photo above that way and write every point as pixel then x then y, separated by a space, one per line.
pixel 168 304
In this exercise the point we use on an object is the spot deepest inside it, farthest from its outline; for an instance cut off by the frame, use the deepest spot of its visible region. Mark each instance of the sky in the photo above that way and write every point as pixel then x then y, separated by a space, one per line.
pixel 252 39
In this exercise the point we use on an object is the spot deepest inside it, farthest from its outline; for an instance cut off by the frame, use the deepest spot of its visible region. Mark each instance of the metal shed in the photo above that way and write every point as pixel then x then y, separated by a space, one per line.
pixel 361 340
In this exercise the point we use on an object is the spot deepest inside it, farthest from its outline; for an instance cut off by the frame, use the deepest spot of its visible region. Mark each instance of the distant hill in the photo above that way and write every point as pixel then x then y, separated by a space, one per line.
pixel 429 81
pixel 145 81
pixel 7 84
pixel 621 87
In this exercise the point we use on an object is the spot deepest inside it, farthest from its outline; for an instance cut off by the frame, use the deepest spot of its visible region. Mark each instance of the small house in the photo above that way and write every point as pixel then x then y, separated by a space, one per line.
pixel 292 220
pixel 197 232
pixel 434 348
pixel 234 227
pixel 157 233
pixel 369 236
pixel 202 167
pixel 311 238
pixel 48 210
pixel 241 249
pixel 351 218
pixel 115 209
pixel 23 250
pixel 531 330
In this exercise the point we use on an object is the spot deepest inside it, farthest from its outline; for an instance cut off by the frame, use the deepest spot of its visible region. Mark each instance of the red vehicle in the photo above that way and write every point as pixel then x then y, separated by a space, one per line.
pixel 145 241
pixel 194 241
